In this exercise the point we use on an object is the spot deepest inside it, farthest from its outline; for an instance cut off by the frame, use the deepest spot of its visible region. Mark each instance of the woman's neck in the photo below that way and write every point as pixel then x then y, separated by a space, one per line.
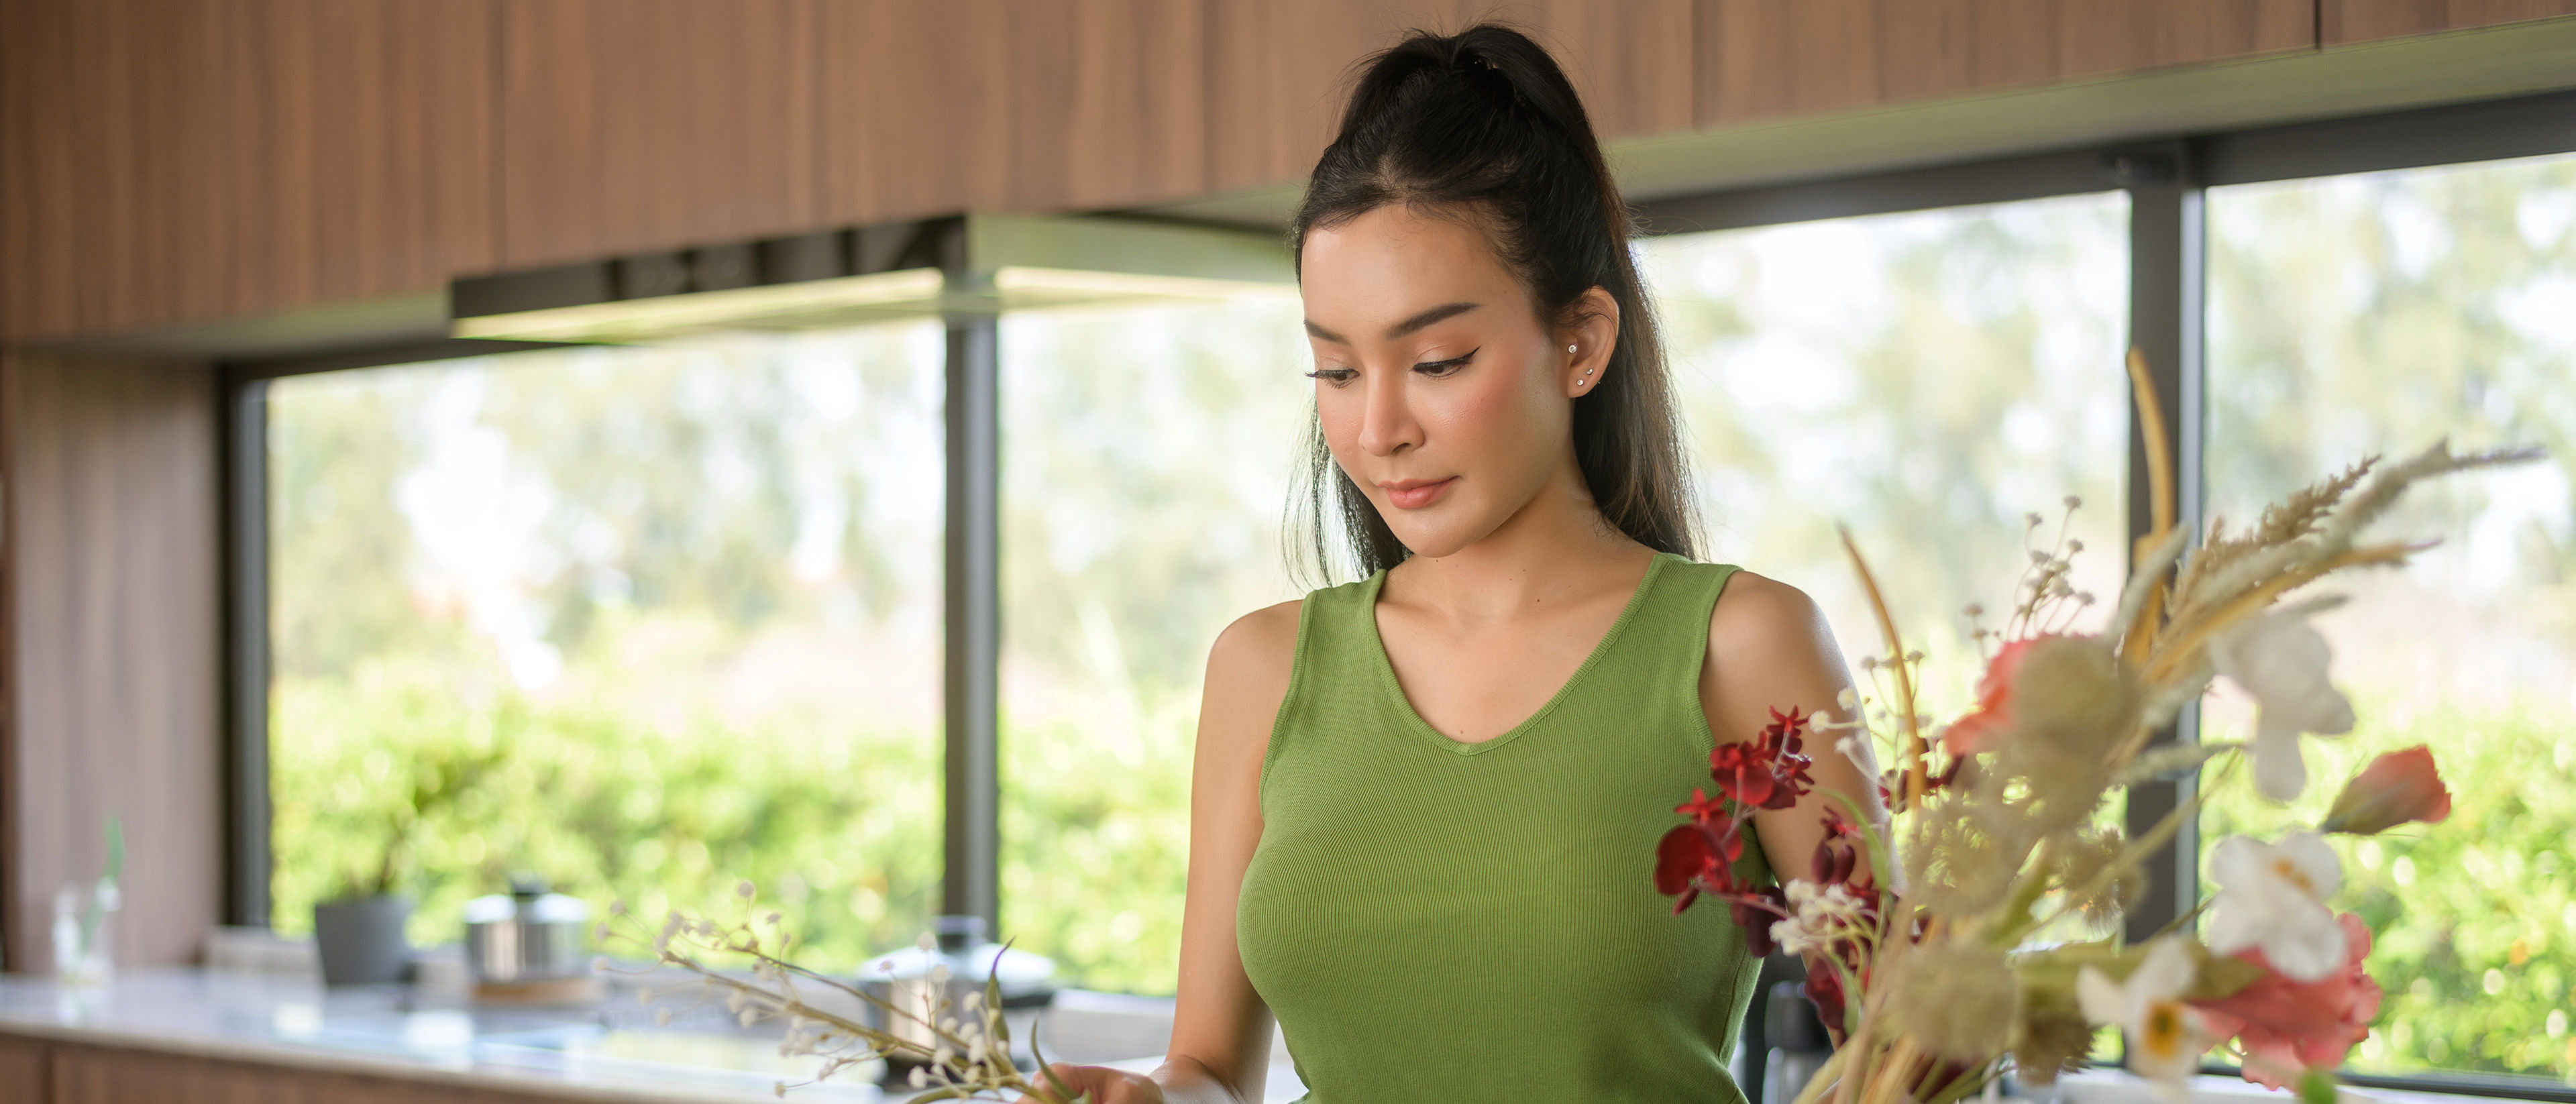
pixel 1555 549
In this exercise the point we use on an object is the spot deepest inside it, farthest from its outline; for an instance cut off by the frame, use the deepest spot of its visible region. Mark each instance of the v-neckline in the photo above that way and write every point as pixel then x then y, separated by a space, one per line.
pixel 1413 717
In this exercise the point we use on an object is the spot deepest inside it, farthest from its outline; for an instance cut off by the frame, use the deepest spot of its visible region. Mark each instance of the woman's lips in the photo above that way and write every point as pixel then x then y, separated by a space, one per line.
pixel 1414 494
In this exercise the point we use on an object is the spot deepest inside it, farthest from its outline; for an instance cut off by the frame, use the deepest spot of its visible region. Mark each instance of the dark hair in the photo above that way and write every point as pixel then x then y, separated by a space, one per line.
pixel 1482 125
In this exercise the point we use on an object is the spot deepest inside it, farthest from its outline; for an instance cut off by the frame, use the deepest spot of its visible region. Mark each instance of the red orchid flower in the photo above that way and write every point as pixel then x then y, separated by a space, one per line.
pixel 1755 912
pixel 1693 857
pixel 1768 771
pixel 1838 854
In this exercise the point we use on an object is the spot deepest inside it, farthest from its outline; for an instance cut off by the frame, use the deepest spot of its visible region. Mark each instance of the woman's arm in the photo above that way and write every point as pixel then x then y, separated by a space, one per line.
pixel 1769 648
pixel 1220 1052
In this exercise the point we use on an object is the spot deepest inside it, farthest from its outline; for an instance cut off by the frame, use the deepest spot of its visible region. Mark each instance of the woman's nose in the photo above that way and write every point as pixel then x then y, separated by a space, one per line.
pixel 1386 420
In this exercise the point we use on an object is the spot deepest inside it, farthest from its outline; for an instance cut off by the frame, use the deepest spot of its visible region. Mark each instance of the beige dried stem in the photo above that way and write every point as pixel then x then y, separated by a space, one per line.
pixel 2160 506
pixel 1915 778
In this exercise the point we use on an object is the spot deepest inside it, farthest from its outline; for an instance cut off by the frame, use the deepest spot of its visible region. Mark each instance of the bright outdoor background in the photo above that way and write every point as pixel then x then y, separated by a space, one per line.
pixel 642 621
pixel 1146 454
pixel 651 620
pixel 1930 379
pixel 2376 314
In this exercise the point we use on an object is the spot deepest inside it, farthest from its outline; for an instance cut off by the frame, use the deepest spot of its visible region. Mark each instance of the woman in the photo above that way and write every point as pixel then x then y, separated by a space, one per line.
pixel 1425 805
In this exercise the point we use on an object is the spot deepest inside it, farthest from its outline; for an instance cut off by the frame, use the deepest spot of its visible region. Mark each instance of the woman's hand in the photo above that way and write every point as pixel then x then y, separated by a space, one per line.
pixel 1105 1084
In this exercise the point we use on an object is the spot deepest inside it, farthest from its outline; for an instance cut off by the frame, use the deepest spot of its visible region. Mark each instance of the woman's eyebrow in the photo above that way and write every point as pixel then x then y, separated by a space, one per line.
pixel 1409 325
pixel 1426 318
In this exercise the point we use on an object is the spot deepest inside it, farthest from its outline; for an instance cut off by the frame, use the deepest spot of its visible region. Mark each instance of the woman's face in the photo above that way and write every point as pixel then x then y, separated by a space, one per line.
pixel 1443 395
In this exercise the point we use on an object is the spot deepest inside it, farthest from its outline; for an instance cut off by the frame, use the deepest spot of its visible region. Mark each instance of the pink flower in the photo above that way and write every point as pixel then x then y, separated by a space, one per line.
pixel 2288 1027
pixel 2395 788
pixel 1993 716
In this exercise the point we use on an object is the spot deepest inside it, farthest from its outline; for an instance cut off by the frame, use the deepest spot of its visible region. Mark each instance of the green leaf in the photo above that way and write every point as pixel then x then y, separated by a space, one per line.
pixel 2317 1086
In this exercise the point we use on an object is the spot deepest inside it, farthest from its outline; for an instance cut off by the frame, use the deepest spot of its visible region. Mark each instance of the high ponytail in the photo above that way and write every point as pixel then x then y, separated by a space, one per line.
pixel 1483 126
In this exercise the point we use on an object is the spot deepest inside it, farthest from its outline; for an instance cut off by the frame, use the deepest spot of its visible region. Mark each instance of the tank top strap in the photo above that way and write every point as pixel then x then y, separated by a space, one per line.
pixel 1666 643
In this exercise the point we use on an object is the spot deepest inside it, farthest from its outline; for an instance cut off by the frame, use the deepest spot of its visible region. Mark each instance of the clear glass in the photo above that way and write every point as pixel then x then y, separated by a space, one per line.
pixel 1931 379
pixel 2376 314
pixel 644 621
pixel 1146 458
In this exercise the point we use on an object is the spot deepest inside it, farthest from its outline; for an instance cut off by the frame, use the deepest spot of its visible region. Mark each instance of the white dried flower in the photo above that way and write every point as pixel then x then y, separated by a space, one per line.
pixel 920 1078
pixel 2165 1036
pixel 2273 896
pixel 2281 660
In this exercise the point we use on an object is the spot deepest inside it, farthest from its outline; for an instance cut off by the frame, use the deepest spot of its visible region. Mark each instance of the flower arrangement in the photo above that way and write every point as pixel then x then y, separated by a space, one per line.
pixel 957 1049
pixel 1922 934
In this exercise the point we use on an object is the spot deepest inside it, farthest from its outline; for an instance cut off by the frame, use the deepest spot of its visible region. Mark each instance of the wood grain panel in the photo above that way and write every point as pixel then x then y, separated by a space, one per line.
pixel 1133 90
pixel 2345 21
pixel 1761 59
pixel 25 1070
pixel 363 153
pixel 113 663
pixel 112 137
pixel 641 124
pixel 987 105
pixel 2110 36
pixel 105 1075
pixel 916 110
pixel 1764 60
pixel 1279 72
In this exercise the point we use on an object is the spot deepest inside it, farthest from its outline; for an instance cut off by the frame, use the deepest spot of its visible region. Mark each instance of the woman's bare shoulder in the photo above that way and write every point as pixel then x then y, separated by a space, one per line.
pixel 1758 612
pixel 1249 666
pixel 1766 634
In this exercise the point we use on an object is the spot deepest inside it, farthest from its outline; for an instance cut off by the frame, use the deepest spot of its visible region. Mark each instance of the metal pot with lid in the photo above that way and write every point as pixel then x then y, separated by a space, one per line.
pixel 910 979
pixel 526 935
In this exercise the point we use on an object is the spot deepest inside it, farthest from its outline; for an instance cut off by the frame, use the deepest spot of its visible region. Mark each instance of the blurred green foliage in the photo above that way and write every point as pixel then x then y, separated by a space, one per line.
pixel 836 824
pixel 2476 916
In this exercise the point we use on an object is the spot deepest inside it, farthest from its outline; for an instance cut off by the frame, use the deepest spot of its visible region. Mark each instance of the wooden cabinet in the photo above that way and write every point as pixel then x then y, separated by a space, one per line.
pixel 1278 73
pixel 996 105
pixel 639 124
pixel 112 155
pixel 1761 59
pixel 112 648
pixel 2346 21
pixel 361 149
pixel 177 161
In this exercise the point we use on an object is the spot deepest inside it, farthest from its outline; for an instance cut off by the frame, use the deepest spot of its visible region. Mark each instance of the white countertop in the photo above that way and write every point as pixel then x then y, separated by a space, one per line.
pixel 613 1052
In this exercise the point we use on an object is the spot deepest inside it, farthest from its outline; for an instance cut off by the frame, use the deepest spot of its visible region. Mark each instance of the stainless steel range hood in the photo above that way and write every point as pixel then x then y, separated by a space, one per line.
pixel 936 268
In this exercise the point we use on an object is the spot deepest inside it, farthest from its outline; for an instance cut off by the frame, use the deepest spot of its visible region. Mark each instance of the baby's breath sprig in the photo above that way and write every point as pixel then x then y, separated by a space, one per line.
pixel 968 1056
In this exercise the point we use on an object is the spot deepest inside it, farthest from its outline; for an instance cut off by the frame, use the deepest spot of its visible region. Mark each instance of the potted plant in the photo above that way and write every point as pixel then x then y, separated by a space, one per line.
pixel 359 931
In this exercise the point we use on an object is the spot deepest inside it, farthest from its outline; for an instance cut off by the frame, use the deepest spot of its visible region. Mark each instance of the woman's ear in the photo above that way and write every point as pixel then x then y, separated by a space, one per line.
pixel 1588 341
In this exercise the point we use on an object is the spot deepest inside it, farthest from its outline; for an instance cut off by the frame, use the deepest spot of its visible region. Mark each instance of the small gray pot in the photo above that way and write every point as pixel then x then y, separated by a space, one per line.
pixel 361 940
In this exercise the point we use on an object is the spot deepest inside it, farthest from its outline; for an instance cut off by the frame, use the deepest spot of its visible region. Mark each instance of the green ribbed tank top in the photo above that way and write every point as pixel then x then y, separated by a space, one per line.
pixel 1437 920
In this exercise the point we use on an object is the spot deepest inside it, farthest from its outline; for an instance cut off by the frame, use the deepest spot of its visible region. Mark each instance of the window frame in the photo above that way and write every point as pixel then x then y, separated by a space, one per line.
pixel 2166 180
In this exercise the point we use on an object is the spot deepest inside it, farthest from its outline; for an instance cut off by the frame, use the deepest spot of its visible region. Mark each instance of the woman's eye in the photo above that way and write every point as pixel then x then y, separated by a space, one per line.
pixel 1334 376
pixel 1438 368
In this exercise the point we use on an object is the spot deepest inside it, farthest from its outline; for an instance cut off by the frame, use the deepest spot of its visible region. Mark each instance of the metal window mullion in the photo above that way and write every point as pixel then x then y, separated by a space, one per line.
pixel 971 882
pixel 2167 251
pixel 247 860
